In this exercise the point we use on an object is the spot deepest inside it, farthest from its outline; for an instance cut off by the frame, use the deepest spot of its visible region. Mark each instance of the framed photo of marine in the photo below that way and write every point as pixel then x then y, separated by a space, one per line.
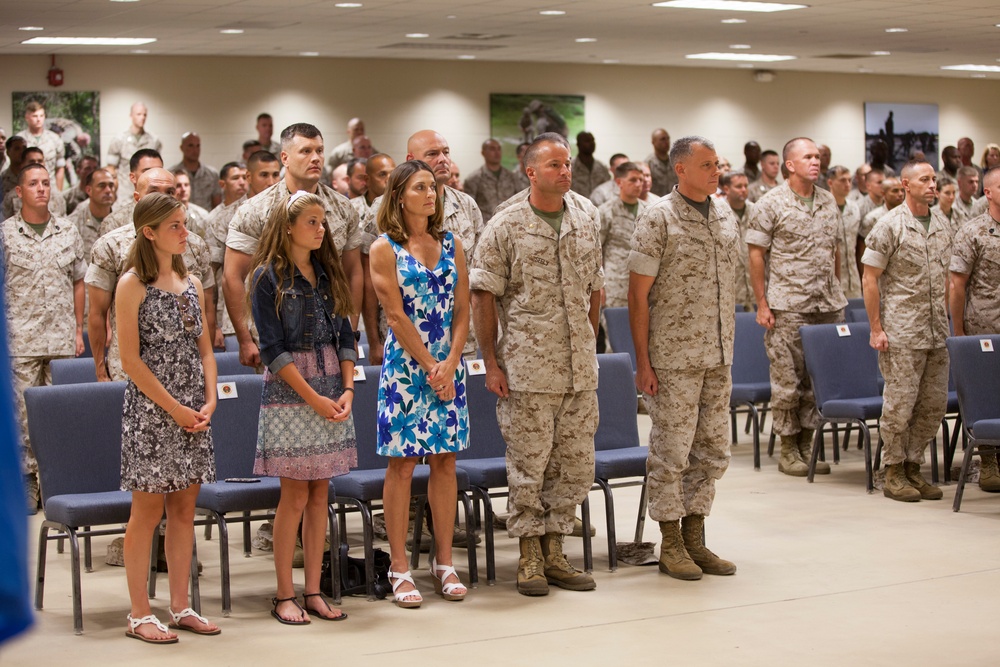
pixel 517 118
pixel 897 133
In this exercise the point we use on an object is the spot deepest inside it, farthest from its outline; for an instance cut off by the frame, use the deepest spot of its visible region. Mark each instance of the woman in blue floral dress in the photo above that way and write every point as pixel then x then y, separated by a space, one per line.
pixel 418 271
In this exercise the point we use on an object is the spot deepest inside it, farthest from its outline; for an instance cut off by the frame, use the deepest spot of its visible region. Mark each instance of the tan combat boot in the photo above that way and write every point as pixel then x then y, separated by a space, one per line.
pixel 897 486
pixel 558 570
pixel 693 531
pixel 989 474
pixel 674 558
pixel 530 579
pixel 805 451
pixel 917 481
pixel 791 462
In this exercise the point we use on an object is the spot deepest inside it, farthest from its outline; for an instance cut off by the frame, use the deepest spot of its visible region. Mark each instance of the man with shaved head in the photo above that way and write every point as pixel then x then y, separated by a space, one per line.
pixel 965 202
pixel 664 178
pixel 537 272
pixel 794 257
pixel 109 257
pixel 975 274
pixel 492 183
pixel 127 143
pixel 906 296
pixel 966 151
pixel 140 162
pixel 342 153
pixel 205 190
pixel 893 195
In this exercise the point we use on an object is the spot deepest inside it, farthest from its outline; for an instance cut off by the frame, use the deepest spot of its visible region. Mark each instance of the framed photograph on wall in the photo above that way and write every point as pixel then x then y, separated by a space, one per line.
pixel 897 133
pixel 517 118
pixel 74 115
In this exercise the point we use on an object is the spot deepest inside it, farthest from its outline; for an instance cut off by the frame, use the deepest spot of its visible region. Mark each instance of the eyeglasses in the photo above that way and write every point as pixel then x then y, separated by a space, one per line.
pixel 187 312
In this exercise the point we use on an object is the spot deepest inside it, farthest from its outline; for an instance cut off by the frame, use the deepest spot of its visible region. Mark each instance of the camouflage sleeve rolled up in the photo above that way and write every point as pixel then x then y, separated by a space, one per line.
pixel 103 270
pixel 492 260
pixel 200 261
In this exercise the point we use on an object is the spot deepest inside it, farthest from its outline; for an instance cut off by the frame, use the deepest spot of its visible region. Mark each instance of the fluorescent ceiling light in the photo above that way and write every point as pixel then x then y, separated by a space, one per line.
pixel 31 28
pixel 585 40
pixel 309 54
pixel 881 53
pixel 139 51
pixel 124 0
pixel 897 30
pixel 751 57
pixel 739 46
pixel 348 5
pixel 231 31
pixel 552 12
pixel 417 35
pixel 610 61
pixel 732 21
pixel 973 68
pixel 466 57
pixel 89 41
pixel 730 5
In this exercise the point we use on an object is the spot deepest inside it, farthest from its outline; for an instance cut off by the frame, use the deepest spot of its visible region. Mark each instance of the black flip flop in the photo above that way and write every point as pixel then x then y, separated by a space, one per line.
pixel 274 612
pixel 343 614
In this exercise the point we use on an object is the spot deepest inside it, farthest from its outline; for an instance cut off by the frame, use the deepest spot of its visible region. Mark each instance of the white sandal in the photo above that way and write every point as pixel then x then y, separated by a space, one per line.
pixel 397 579
pixel 447 591
pixel 134 623
pixel 189 612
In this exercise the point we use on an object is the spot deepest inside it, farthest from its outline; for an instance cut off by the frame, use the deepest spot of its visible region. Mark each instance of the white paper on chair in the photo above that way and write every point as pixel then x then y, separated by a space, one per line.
pixel 226 390
pixel 843 330
pixel 475 366
pixel 359 374
pixel 986 344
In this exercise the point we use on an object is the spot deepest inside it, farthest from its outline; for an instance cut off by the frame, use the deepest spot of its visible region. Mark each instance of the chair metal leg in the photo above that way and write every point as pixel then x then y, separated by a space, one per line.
pixel 154 550
pixel 418 532
pixel 934 460
pixel 246 535
pixel 970 450
pixel 491 568
pixel 588 548
pixel 817 447
pixel 227 601
pixel 470 537
pixel 755 418
pixel 43 547
pixel 195 586
pixel 88 561
pixel 334 553
pixel 74 550
pixel 770 443
pixel 640 520
pixel 609 511
pixel 750 422
pixel 870 476
pixel 732 423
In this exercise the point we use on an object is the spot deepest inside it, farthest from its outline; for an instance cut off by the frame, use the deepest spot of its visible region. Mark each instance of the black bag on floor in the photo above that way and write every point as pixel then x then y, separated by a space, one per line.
pixel 352 574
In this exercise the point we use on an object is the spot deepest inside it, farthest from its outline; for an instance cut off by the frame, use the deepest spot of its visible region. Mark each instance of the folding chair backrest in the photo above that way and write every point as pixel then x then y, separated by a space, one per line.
pixel 234 426
pixel 750 362
pixel 228 363
pixel 76 434
pixel 977 376
pixel 620 332
pixel 485 440
pixel 840 366
pixel 73 371
pixel 617 403
pixel 365 411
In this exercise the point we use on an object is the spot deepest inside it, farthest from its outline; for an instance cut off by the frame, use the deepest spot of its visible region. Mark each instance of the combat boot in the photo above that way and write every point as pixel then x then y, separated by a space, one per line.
pixel 989 473
pixel 917 481
pixel 897 486
pixel 693 531
pixel 530 577
pixel 558 570
pixel 805 451
pixel 674 558
pixel 791 462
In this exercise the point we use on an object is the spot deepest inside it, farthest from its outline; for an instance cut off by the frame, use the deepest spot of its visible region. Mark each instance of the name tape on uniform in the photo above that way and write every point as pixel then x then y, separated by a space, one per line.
pixel 986 344
pixel 843 330
pixel 226 390
pixel 359 374
pixel 475 366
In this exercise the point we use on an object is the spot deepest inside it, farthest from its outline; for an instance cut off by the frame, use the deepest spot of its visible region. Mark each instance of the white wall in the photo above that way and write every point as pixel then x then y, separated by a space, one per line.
pixel 220 98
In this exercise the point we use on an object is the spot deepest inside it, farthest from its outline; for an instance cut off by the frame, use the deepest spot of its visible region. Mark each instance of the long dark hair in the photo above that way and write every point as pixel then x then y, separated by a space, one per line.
pixel 390 216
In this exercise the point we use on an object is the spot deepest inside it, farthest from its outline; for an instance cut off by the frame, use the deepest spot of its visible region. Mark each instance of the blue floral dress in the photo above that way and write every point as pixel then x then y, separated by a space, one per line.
pixel 412 420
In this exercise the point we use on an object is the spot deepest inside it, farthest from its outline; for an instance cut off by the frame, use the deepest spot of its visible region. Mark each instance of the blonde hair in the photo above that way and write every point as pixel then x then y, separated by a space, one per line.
pixel 390 216
pixel 275 250
pixel 150 212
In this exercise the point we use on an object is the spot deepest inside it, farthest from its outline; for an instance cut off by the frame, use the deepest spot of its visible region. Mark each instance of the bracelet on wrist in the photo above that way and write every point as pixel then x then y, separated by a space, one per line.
pixel 177 405
pixel 350 389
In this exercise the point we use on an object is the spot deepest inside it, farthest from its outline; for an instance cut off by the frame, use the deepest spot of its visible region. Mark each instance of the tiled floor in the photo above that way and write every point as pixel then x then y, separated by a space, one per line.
pixel 828 575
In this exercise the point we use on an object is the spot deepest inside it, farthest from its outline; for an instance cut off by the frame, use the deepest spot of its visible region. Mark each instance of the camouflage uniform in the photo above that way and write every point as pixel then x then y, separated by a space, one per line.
pixel 963 212
pixel 119 217
pixel 88 226
pixel 340 154
pixel 577 200
pixel 802 288
pixel 979 207
pixel 914 316
pixel 12 204
pixel 360 205
pixel 976 253
pixel 617 225
pixel 204 184
pixel 72 198
pixel 108 263
pixel 197 221
pixel 605 192
pixel 489 189
pixel 521 179
pixel 758 189
pixel 585 178
pixel 664 177
pixel 691 327
pixel 869 219
pixel 865 206
pixel 850 281
pixel 741 276
pixel 39 273
pixel 216 229
pixel 121 150
pixel 52 147
pixel 462 218
pixel 543 283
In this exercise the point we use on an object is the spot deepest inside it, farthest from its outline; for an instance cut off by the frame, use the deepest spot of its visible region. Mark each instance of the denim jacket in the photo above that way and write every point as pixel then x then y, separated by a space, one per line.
pixel 292 330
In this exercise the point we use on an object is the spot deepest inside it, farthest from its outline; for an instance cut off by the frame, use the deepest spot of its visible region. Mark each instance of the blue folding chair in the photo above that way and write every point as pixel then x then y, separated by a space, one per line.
pixel 751 377
pixel 620 332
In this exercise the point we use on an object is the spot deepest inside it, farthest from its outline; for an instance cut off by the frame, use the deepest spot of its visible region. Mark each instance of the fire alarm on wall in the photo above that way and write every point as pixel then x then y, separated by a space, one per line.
pixel 55 74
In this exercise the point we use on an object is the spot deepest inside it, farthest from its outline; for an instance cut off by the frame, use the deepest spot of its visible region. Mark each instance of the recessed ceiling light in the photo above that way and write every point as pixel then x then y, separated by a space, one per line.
pixel 733 21
pixel 745 65
pixel 348 5
pixel 451 16
pixel 730 5
pixel 610 61
pixel 752 57
pixel 417 35
pixel 585 40
pixel 881 53
pixel 90 41
pixel 973 68
pixel 552 12
pixel 897 30
pixel 978 76
pixel 466 57
pixel 864 70
pixel 124 0
pixel 309 54
pixel 231 31
pixel 30 28
pixel 139 51
pixel 739 46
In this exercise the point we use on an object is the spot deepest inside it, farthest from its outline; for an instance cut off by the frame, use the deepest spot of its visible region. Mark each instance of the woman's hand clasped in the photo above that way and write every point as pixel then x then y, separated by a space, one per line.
pixel 335 410
pixel 192 421
pixel 441 378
